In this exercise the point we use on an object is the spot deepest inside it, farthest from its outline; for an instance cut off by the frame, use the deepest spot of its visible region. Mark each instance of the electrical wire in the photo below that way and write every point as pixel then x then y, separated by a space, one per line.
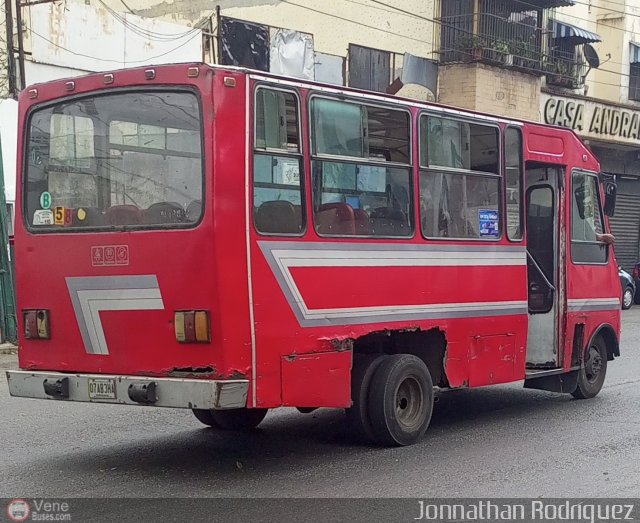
pixel 394 8
pixel 121 62
pixel 128 8
pixel 521 1
pixel 351 21
pixel 438 22
pixel 147 33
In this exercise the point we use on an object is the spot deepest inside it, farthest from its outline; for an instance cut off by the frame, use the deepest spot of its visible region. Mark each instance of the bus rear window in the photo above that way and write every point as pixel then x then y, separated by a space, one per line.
pixel 128 159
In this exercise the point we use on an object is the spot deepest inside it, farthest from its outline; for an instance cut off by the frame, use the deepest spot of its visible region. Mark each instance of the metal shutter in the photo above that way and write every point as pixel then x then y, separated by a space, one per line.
pixel 625 226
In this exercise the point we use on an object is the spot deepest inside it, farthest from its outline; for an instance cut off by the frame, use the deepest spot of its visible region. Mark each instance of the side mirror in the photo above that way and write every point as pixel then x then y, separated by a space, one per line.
pixel 610 193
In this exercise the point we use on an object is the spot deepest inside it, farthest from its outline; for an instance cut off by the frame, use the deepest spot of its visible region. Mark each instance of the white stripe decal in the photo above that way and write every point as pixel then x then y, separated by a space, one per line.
pixel 91 295
pixel 247 200
pixel 593 304
pixel 364 258
pixel 93 302
pixel 437 308
pixel 282 256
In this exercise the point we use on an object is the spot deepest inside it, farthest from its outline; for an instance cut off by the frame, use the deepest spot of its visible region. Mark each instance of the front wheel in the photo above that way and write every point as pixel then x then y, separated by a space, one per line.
pixel 232 419
pixel 627 298
pixel 400 400
pixel 593 371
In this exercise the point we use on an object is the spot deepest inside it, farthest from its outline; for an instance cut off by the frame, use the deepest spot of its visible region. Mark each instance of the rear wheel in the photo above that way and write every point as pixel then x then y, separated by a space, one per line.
pixel 400 400
pixel 364 365
pixel 232 419
pixel 593 371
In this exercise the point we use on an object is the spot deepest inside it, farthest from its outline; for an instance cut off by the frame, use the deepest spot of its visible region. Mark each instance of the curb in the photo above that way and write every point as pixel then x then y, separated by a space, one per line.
pixel 8 348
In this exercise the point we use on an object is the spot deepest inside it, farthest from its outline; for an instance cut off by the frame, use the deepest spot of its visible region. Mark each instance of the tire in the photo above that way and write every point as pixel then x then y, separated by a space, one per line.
pixel 400 400
pixel 364 366
pixel 593 372
pixel 627 298
pixel 232 419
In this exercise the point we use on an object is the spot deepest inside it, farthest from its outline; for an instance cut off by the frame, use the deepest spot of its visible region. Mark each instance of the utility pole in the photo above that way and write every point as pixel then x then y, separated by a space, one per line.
pixel 8 49
pixel 19 6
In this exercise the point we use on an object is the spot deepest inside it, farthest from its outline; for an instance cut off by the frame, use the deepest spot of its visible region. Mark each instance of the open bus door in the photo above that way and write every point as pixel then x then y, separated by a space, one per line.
pixel 543 207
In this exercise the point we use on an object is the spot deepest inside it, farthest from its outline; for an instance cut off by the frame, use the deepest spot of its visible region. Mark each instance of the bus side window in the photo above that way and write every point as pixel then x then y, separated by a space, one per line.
pixel 586 220
pixel 459 179
pixel 278 204
pixel 513 178
pixel 361 157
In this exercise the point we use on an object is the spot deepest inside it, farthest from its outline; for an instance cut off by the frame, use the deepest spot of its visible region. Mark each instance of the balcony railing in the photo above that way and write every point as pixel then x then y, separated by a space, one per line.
pixel 566 68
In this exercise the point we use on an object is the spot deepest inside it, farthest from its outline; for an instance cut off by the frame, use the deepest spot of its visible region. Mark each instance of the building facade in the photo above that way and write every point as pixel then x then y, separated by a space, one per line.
pixel 564 62
pixel 528 59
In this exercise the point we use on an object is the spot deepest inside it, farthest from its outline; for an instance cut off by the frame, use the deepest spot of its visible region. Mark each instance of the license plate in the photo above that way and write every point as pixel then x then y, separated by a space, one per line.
pixel 102 388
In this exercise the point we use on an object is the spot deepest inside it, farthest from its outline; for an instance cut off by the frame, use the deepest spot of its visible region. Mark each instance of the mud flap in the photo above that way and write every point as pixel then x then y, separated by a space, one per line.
pixel 564 383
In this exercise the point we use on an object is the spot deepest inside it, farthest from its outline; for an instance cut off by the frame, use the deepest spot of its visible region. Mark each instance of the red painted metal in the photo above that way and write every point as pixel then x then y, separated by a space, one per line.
pixel 220 267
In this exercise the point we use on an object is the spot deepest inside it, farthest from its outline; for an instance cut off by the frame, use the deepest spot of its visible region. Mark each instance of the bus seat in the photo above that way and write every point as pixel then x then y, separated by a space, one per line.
pixel 335 218
pixel 92 217
pixel 362 222
pixel 194 211
pixel 163 212
pixel 124 215
pixel 387 221
pixel 279 216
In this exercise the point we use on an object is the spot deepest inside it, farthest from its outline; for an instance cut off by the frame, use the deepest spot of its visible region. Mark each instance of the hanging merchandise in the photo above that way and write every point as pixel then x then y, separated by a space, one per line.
pixel 292 54
pixel 244 44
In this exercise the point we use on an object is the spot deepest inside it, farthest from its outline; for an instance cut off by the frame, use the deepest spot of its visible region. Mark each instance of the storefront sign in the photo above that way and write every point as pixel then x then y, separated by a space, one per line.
pixel 592 119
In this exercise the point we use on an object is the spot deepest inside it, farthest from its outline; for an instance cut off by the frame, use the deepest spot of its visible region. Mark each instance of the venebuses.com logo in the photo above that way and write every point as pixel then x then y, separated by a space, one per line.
pixel 18 510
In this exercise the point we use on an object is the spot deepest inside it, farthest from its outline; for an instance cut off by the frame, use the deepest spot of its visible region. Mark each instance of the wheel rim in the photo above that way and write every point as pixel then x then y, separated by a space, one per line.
pixel 410 403
pixel 593 365
pixel 627 298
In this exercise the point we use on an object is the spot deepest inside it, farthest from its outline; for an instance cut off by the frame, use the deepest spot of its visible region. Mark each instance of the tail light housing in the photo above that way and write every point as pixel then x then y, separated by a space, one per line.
pixel 192 326
pixel 636 271
pixel 36 324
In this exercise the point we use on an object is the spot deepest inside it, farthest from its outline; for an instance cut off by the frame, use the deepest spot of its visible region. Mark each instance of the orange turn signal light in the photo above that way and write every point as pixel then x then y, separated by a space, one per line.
pixel 192 326
pixel 36 324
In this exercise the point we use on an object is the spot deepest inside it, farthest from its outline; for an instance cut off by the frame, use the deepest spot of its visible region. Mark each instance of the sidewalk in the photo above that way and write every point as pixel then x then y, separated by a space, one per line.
pixel 8 348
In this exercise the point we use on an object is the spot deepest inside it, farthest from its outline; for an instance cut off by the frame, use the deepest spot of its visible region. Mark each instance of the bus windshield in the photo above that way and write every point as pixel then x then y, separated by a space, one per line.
pixel 128 159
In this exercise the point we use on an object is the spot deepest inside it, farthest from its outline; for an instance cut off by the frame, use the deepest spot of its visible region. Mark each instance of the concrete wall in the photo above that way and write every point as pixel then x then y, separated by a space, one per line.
pixel 617 23
pixel 491 90
pixel 8 140
pixel 334 25
pixel 74 35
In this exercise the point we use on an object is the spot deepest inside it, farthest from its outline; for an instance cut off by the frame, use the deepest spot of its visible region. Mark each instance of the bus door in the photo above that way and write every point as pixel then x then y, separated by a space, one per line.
pixel 543 204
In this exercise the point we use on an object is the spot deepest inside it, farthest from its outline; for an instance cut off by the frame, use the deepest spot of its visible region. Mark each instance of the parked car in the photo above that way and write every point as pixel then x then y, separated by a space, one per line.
pixel 635 274
pixel 628 288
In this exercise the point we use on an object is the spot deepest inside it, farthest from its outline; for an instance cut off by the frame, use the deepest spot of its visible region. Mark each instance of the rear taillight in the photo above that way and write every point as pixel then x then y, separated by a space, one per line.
pixel 192 326
pixel 635 273
pixel 36 324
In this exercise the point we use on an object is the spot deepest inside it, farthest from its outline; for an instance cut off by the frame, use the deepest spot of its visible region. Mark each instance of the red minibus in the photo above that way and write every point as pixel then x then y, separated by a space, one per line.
pixel 229 241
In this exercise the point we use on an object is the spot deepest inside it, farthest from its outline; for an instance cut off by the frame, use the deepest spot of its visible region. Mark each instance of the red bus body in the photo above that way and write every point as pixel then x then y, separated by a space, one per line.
pixel 287 312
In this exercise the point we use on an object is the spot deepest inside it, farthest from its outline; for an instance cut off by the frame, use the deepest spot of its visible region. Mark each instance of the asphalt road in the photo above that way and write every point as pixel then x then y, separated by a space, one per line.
pixel 499 441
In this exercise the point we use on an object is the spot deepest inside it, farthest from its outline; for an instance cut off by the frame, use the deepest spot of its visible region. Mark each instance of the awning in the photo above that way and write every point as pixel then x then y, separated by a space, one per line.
pixel 529 5
pixel 634 55
pixel 576 35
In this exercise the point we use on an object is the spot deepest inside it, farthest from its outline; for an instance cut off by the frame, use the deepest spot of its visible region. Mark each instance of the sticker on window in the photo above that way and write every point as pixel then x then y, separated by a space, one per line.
pixel 488 223
pixel 43 217
pixel 289 172
pixel 45 200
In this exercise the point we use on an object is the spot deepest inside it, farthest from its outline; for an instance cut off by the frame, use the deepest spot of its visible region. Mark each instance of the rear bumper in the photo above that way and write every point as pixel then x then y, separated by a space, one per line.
pixel 130 390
